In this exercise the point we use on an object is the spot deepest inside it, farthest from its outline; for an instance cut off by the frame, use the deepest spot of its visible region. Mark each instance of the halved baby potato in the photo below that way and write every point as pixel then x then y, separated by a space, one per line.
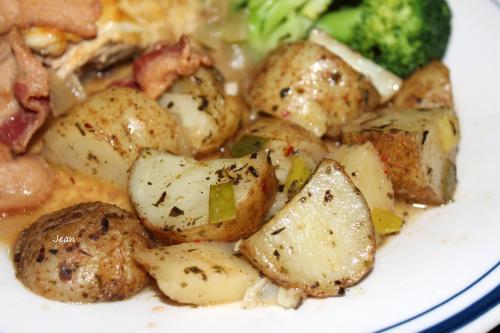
pixel 103 135
pixel 418 149
pixel 322 241
pixel 306 84
pixel 208 115
pixel 171 195
pixel 386 82
pixel 199 273
pixel 285 142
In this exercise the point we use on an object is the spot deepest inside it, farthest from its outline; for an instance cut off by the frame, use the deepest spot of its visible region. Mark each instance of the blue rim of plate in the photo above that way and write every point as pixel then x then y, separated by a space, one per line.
pixel 463 317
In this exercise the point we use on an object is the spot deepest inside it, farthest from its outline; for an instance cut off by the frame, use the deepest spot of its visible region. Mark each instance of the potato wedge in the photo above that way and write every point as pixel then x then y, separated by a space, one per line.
pixel 427 88
pixel 362 163
pixel 322 241
pixel 199 273
pixel 103 135
pixel 208 116
pixel 418 149
pixel 306 84
pixel 284 141
pixel 171 195
pixel 386 82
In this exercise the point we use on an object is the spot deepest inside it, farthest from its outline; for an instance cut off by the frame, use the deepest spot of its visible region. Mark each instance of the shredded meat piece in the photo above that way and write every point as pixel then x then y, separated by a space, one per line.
pixel 24 92
pixel 76 16
pixel 156 70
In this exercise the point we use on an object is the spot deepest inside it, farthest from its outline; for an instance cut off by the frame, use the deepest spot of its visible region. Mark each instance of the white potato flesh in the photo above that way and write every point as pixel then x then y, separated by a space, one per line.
pixel 386 82
pixel 322 241
pixel 104 135
pixel 207 114
pixel 284 142
pixel 199 273
pixel 362 163
pixel 171 195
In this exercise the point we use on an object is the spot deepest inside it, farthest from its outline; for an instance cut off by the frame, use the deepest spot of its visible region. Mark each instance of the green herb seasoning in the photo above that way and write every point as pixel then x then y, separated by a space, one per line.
pixel 247 145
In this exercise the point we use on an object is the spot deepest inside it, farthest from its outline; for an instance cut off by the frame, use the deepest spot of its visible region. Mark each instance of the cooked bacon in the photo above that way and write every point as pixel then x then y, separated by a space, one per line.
pixel 25 182
pixel 76 16
pixel 31 87
pixel 24 92
pixel 155 71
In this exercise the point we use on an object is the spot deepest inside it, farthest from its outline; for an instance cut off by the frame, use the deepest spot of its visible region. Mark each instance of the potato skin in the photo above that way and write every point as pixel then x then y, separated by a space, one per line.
pixel 249 217
pixel 409 143
pixel 404 167
pixel 308 85
pixel 95 264
pixel 427 88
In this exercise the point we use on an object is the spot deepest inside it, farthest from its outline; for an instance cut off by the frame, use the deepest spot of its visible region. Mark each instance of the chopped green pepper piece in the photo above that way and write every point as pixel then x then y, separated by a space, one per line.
pixel 246 145
pixel 297 176
pixel 221 203
pixel 385 221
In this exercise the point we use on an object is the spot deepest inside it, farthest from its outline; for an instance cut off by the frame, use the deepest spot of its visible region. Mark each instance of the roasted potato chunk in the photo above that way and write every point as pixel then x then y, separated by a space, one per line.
pixel 284 141
pixel 418 149
pixel 386 82
pixel 171 195
pixel 427 88
pixel 208 116
pixel 308 85
pixel 322 241
pixel 199 273
pixel 103 135
pixel 83 254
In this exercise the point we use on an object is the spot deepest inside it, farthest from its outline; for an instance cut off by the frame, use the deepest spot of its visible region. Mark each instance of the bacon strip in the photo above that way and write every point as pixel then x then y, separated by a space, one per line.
pixel 24 92
pixel 76 16
pixel 25 182
pixel 155 71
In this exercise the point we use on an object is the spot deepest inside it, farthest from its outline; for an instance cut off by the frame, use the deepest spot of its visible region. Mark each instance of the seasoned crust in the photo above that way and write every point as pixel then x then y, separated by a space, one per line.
pixel 83 253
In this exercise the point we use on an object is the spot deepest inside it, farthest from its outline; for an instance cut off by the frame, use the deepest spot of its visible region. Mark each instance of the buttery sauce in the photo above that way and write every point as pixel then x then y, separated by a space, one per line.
pixel 71 188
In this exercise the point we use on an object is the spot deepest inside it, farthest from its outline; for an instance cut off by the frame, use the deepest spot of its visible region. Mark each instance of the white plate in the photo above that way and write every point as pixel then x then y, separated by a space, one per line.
pixel 443 269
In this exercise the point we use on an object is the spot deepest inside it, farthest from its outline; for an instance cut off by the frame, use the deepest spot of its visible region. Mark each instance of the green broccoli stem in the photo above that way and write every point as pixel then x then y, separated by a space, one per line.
pixel 340 24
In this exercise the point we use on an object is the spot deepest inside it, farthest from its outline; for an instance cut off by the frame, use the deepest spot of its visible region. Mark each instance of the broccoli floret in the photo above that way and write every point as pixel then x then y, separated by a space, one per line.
pixel 400 35
pixel 272 22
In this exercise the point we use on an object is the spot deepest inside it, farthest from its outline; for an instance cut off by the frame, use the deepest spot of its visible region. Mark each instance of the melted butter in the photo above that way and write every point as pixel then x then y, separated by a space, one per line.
pixel 71 188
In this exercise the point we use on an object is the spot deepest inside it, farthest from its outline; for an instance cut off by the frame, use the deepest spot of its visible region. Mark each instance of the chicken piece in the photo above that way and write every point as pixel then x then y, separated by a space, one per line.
pixel 76 16
pixel 124 28
pixel 83 253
